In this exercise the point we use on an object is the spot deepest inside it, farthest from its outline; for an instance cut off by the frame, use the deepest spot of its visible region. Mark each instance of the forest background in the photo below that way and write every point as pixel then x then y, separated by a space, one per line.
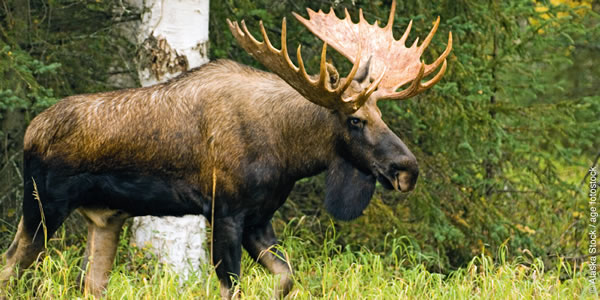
pixel 504 141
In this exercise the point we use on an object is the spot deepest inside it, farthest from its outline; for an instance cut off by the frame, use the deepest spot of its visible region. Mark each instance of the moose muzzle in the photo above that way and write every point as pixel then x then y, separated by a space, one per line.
pixel 405 174
pixel 401 168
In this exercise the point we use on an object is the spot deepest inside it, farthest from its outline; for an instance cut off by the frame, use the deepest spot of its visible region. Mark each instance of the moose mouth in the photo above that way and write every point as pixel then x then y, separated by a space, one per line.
pixel 401 181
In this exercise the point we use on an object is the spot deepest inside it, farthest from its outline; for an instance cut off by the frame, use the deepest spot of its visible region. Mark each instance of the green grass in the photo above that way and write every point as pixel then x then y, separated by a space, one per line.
pixel 322 271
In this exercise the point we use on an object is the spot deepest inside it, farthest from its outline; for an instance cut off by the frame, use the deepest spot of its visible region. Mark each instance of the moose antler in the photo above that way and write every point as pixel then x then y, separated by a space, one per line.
pixel 316 91
pixel 363 40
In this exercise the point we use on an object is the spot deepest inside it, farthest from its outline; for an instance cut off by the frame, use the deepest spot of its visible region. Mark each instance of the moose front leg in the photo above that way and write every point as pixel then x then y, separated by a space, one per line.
pixel 227 252
pixel 260 242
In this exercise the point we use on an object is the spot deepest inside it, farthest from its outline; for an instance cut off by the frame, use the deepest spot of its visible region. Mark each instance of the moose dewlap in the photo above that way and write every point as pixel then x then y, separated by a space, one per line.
pixel 153 150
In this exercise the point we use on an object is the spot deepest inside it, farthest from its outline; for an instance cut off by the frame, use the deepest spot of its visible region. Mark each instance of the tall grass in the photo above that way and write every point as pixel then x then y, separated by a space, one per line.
pixel 322 271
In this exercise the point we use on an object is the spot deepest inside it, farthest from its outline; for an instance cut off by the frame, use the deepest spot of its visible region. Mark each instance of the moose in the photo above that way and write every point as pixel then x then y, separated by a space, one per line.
pixel 155 150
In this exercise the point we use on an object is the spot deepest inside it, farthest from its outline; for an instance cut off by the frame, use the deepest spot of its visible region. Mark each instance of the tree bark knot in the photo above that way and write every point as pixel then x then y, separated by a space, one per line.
pixel 156 54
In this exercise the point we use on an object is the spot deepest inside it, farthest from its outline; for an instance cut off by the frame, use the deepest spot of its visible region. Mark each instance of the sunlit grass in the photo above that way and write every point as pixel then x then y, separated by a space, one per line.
pixel 322 271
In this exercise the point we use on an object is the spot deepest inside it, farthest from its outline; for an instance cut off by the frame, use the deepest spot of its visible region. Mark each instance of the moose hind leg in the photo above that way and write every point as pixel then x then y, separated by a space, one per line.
pixel 41 218
pixel 104 229
pixel 260 242
pixel 21 253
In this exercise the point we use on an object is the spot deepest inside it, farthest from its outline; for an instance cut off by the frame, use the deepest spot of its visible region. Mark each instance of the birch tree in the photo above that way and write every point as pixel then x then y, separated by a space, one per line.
pixel 173 37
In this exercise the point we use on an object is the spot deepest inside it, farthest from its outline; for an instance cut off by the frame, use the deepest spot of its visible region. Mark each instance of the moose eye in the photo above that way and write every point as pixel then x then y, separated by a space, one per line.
pixel 355 122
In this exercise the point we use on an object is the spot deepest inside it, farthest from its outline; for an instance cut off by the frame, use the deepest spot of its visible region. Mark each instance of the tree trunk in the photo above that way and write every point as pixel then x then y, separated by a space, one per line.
pixel 173 38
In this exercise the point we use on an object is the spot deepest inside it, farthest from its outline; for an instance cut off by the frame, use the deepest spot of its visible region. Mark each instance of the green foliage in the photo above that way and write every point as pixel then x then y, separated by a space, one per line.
pixel 49 50
pixel 21 90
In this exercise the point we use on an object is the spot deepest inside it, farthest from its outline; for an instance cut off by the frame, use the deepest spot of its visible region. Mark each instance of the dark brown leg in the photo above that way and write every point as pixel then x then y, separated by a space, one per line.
pixel 21 253
pixel 227 253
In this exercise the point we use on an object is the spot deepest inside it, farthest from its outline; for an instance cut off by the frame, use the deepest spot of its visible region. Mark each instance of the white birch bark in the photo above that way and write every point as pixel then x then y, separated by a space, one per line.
pixel 173 37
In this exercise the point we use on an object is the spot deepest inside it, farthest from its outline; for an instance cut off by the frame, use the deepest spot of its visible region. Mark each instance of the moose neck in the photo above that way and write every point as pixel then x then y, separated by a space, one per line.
pixel 308 133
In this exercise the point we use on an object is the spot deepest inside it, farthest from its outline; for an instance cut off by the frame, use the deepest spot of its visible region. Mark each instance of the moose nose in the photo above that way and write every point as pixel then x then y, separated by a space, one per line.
pixel 407 172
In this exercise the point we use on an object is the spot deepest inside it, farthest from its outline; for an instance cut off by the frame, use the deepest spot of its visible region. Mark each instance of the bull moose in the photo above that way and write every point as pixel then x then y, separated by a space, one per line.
pixel 154 150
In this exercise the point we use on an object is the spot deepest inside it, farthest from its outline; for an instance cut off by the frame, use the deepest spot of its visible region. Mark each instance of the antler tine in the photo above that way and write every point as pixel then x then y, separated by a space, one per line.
pixel 442 57
pixel 375 84
pixel 265 37
pixel 429 37
pixel 352 73
pixel 361 17
pixel 436 78
pixel 414 44
pixel 284 50
pixel 323 66
pixel 247 33
pixel 301 64
pixel 390 23
pixel 406 33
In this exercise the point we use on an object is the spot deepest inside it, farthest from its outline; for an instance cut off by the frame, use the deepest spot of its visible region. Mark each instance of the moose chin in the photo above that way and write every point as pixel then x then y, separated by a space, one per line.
pixel 155 150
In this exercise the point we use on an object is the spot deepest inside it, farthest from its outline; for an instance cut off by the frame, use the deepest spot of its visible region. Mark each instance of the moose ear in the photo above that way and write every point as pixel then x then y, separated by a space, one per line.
pixel 349 190
pixel 362 74
pixel 333 75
